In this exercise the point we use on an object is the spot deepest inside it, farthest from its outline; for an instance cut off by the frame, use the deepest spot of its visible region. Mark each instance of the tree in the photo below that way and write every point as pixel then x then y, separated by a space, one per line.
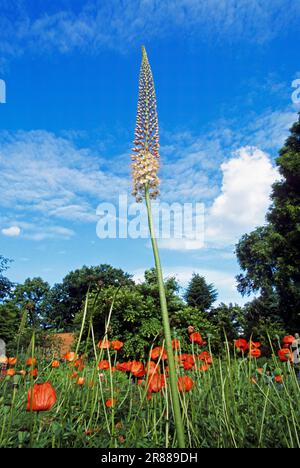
pixel 9 321
pixel 270 255
pixel 149 288
pixel 199 294
pixel 66 298
pixel 33 296
pixel 5 284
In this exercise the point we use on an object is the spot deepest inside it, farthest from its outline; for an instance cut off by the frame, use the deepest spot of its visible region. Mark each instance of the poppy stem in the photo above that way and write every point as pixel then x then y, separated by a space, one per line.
pixel 167 329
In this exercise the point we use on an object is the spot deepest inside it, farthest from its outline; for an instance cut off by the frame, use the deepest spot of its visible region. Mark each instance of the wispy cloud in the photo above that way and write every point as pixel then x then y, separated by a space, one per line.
pixel 93 25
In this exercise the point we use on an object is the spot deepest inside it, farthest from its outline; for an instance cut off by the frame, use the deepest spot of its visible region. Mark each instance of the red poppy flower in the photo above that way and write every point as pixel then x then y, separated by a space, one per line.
pixel 278 378
pixel 288 340
pixel 55 364
pixel 255 353
pixel 41 398
pixel 104 344
pixel 241 344
pixel 117 345
pixel 185 384
pixel 285 354
pixel 196 338
pixel 187 361
pixel 103 365
pixel 159 353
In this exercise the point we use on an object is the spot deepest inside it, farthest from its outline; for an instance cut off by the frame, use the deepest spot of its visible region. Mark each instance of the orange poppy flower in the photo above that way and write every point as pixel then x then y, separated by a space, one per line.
pixel 10 372
pixel 175 344
pixel 137 369
pixel 124 366
pixel 117 345
pixel 206 357
pixel 152 368
pixel 34 372
pixel 260 370
pixel 196 338
pixel 159 353
pixel 110 403
pixel 254 344
pixel 285 354
pixel 31 361
pixel 80 381
pixel 70 356
pixel 41 398
pixel 241 344
pixel 185 384
pixel 104 344
pixel 155 383
pixel 255 353
pixel 12 361
pixel 204 367
pixel 103 365
pixel 74 374
pixel 79 364
pixel 55 363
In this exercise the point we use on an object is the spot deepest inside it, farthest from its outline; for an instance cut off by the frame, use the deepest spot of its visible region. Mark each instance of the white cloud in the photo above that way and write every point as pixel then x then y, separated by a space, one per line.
pixel 244 198
pixel 13 231
pixel 224 281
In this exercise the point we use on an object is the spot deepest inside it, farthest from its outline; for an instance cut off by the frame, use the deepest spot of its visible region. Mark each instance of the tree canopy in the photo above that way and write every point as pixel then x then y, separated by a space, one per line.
pixel 270 255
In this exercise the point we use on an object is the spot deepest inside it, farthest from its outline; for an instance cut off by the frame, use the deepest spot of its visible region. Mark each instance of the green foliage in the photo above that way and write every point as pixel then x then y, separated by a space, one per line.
pixel 268 332
pixel 270 255
pixel 5 284
pixel 33 296
pixel 9 321
pixel 66 298
pixel 199 294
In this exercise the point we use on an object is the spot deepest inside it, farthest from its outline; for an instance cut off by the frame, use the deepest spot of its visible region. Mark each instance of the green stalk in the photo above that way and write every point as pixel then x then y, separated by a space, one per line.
pixel 167 330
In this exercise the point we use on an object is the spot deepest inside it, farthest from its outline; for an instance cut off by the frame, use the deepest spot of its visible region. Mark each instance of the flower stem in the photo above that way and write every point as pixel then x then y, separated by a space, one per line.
pixel 167 330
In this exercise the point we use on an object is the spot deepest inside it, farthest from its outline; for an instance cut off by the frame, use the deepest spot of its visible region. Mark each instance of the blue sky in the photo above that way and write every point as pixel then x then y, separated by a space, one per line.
pixel 223 72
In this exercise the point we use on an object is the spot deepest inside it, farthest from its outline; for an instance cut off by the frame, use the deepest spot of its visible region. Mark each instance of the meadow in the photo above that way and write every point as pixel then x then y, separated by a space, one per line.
pixel 238 399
